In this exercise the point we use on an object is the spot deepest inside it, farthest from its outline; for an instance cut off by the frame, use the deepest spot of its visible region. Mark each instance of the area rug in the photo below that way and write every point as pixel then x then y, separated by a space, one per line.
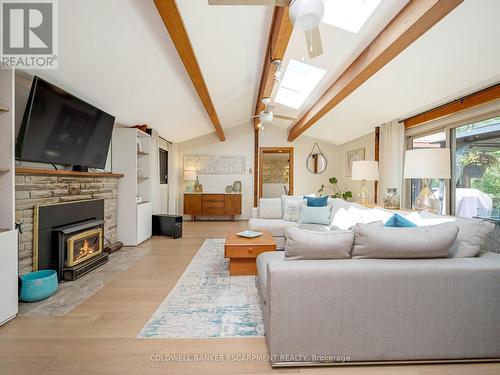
pixel 73 293
pixel 207 302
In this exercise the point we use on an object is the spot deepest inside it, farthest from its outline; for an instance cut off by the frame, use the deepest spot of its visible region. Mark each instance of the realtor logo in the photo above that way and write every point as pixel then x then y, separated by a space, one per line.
pixel 29 34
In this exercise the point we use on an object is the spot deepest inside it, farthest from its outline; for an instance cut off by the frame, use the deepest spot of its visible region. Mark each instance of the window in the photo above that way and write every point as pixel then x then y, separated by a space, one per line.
pixel 438 186
pixel 476 163
pixel 163 155
pixel 349 15
pixel 298 82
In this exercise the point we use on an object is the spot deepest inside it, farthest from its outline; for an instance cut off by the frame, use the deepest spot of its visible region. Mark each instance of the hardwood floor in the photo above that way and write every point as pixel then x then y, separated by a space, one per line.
pixel 98 337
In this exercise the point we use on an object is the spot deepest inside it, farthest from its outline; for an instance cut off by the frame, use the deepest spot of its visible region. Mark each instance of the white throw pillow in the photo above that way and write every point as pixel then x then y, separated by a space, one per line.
pixel 375 214
pixel 344 219
pixel 285 198
pixel 270 208
pixel 293 209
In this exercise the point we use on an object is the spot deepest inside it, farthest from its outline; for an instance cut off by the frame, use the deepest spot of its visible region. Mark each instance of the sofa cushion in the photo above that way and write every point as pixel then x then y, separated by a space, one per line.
pixel 315 215
pixel 270 208
pixel 471 236
pixel 316 227
pixel 306 244
pixel 293 209
pixel 316 201
pixel 277 227
pixel 398 221
pixel 376 241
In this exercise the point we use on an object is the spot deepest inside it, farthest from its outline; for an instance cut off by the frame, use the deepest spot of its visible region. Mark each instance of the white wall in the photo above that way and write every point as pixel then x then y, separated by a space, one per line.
pixel 240 141
pixel 345 183
pixel 304 182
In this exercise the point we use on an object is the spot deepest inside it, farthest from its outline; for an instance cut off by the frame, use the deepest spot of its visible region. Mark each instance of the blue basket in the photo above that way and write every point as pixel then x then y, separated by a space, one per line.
pixel 39 285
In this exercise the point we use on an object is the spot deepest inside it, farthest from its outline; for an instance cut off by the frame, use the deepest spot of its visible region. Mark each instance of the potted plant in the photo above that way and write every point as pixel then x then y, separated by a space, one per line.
pixel 337 193
pixel 476 163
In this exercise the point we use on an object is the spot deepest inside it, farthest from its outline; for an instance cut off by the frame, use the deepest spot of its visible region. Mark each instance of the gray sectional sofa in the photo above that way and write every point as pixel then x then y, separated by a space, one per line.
pixel 379 310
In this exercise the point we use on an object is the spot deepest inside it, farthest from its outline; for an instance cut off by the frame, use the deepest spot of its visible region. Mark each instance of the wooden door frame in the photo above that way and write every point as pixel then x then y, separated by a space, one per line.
pixel 277 150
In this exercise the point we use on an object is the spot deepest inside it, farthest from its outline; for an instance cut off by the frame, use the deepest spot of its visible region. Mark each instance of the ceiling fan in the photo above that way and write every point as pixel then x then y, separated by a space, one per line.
pixel 266 115
pixel 304 14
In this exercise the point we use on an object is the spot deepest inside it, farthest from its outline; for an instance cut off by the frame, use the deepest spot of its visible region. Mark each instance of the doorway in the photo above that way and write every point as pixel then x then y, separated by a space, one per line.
pixel 275 172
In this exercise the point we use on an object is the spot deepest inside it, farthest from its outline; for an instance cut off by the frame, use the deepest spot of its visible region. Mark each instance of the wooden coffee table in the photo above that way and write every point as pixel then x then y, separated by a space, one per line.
pixel 243 251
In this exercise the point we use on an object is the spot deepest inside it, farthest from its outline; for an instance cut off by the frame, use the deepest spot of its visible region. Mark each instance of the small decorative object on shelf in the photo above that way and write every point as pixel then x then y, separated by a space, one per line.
pixel 237 186
pixel 391 199
pixel 229 189
pixel 197 186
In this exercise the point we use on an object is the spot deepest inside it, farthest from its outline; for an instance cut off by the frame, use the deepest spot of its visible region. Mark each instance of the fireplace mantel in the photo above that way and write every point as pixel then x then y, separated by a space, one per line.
pixel 63 172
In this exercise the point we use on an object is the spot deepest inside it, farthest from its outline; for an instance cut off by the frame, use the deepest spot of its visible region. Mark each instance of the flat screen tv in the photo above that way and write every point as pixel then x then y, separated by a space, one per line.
pixel 59 128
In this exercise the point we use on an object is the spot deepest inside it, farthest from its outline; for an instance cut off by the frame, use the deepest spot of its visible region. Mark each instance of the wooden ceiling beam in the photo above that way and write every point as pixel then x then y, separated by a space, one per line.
pixel 175 26
pixel 279 36
pixel 473 100
pixel 414 20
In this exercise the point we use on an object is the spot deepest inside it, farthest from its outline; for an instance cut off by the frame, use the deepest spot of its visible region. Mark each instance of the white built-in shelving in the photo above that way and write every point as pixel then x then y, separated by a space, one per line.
pixel 8 233
pixel 130 156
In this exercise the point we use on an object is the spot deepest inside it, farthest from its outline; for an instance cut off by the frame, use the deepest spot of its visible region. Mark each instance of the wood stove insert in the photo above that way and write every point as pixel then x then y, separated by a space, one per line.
pixel 60 234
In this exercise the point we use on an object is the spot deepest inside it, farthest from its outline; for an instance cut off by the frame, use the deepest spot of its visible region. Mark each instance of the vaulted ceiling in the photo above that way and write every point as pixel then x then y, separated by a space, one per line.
pixel 118 55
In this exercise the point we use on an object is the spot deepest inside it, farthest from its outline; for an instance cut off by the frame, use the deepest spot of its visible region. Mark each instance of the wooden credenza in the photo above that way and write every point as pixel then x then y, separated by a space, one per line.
pixel 209 204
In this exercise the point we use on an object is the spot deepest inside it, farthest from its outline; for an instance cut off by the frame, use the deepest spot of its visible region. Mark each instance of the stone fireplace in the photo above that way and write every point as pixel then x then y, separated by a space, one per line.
pixel 37 188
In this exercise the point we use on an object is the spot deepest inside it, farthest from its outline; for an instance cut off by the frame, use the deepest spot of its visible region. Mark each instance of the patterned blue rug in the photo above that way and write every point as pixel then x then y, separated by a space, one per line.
pixel 207 302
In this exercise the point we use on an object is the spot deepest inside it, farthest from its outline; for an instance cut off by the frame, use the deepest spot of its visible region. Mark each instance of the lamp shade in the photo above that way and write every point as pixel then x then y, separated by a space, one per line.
pixel 365 170
pixel 427 163
pixel 189 175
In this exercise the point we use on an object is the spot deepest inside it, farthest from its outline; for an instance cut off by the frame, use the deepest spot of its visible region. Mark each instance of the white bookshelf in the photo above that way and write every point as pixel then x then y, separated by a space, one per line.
pixel 8 233
pixel 134 219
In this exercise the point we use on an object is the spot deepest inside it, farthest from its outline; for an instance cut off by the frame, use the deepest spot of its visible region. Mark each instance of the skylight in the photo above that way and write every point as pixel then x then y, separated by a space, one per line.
pixel 349 15
pixel 298 82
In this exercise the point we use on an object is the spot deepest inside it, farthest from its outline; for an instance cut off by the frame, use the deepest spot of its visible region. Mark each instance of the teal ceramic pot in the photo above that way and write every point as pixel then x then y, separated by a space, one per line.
pixel 39 285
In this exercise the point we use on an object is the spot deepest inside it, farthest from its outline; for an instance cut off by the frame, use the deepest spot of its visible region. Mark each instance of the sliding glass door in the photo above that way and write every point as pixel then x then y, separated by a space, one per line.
pixel 476 164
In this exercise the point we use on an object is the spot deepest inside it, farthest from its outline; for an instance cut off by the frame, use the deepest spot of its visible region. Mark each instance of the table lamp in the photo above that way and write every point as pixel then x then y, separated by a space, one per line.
pixel 364 170
pixel 425 164
pixel 190 176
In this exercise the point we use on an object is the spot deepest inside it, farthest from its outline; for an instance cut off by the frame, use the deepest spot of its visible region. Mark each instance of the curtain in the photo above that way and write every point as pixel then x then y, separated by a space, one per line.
pixel 155 172
pixel 391 152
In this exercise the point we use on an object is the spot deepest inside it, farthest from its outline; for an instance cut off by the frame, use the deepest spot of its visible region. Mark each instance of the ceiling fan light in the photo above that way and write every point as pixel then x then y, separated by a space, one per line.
pixel 306 14
pixel 265 117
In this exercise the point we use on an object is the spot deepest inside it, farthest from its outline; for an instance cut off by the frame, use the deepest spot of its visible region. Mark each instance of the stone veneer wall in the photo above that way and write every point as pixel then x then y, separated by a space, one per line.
pixel 32 190
pixel 275 171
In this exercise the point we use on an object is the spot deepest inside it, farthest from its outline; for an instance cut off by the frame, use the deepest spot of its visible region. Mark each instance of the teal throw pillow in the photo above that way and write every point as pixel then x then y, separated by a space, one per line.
pixel 398 221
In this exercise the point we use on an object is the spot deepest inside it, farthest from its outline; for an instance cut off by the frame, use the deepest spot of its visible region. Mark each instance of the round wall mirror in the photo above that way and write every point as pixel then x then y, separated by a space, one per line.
pixel 316 163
